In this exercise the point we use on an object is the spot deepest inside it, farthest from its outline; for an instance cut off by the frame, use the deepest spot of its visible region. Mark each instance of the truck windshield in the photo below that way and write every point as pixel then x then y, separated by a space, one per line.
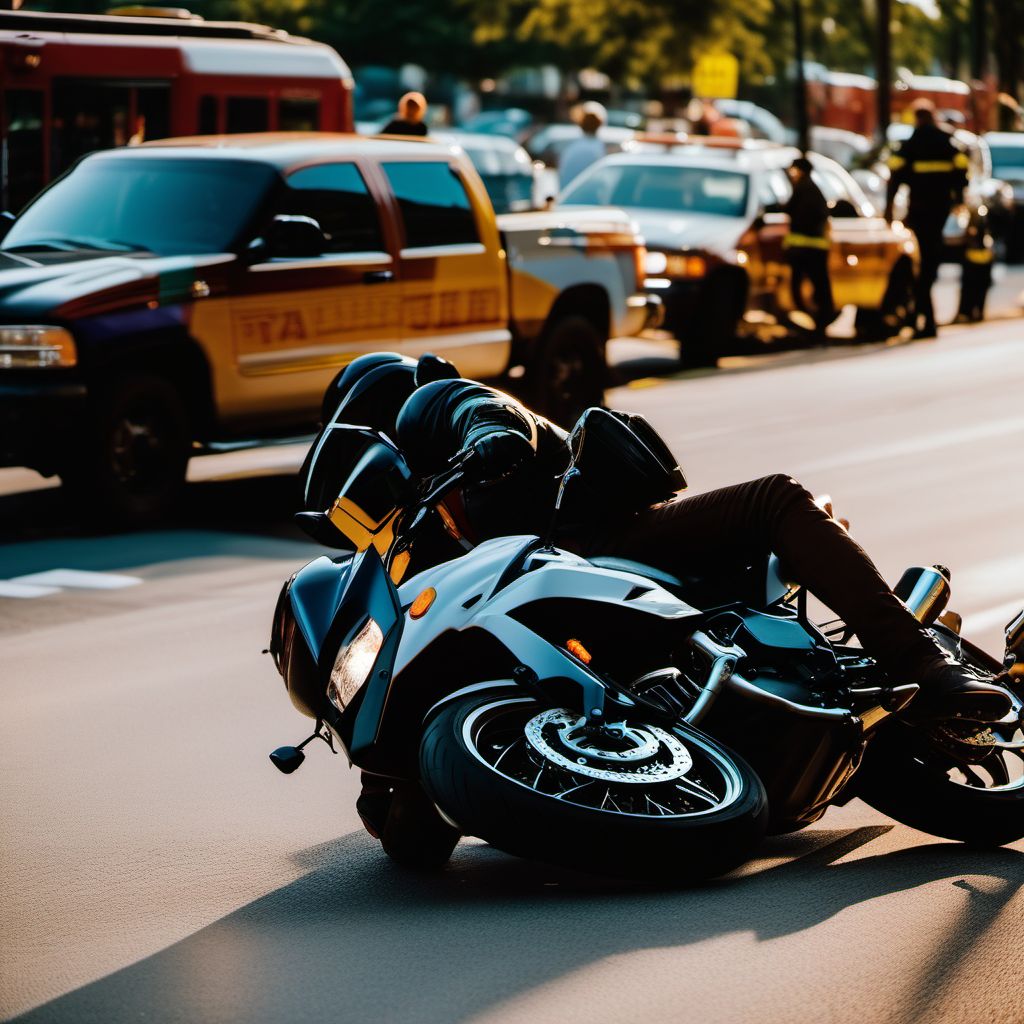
pixel 661 187
pixel 168 206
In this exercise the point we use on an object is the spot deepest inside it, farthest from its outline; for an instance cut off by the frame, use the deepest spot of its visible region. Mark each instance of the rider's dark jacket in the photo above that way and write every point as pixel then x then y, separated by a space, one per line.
pixel 445 417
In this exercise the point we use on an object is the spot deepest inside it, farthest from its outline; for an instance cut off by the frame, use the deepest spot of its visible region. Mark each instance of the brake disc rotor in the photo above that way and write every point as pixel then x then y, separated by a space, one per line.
pixel 614 753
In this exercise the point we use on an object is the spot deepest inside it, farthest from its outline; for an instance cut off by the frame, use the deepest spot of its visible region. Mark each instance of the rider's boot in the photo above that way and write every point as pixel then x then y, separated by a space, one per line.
pixel 951 691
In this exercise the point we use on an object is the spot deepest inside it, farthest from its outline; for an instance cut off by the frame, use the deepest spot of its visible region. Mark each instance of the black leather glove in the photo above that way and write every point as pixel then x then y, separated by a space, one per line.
pixel 497 456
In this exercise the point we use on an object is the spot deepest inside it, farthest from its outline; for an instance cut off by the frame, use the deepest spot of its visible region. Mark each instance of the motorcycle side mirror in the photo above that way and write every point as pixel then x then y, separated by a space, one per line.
pixel 287 759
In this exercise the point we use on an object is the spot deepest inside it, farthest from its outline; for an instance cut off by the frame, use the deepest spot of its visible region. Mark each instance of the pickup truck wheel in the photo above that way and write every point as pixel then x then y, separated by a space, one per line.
pixel 129 464
pixel 712 328
pixel 568 372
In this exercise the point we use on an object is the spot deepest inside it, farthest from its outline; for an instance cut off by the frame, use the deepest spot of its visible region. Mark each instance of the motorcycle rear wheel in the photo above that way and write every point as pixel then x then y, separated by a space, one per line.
pixel 505 769
pixel 914 781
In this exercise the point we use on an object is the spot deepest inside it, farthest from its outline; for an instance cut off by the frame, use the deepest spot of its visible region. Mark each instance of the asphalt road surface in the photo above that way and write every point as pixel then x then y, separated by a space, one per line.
pixel 155 867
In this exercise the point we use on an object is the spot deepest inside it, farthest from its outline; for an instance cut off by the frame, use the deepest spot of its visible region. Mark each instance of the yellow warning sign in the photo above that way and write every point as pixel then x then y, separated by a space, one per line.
pixel 716 76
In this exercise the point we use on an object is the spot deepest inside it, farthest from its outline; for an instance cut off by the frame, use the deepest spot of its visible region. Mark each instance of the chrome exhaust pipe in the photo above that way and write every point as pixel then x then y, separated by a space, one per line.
pixel 925 591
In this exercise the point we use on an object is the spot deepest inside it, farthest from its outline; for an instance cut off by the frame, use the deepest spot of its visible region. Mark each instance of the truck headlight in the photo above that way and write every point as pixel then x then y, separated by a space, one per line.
pixel 353 664
pixel 655 263
pixel 36 347
pixel 687 265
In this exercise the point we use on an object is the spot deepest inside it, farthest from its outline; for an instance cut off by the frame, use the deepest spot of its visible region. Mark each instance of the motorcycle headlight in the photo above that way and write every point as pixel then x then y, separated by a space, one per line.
pixel 353 665
pixel 36 347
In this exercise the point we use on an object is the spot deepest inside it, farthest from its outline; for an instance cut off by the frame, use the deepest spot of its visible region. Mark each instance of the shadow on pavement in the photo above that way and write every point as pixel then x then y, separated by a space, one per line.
pixel 357 939
pixel 247 517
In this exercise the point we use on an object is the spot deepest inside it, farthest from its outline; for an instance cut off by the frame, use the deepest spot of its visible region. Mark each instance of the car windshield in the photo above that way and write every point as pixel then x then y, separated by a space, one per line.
pixel 168 206
pixel 1008 161
pixel 662 187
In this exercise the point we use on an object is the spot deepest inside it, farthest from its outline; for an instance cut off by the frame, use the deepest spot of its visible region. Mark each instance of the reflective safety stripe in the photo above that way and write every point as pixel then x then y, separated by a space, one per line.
pixel 896 162
pixel 793 241
pixel 932 166
pixel 961 161
pixel 980 255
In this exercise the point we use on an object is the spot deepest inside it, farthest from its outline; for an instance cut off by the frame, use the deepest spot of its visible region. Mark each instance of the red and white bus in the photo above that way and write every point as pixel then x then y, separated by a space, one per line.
pixel 71 84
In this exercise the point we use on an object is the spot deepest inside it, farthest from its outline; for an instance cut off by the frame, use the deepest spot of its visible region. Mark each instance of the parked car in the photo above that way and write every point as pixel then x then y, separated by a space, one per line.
pixel 548 143
pixel 710 212
pixel 847 148
pixel 762 123
pixel 512 122
pixel 158 300
pixel 504 166
pixel 1007 150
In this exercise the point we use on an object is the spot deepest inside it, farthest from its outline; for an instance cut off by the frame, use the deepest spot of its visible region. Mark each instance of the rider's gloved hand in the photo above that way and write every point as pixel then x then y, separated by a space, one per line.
pixel 498 455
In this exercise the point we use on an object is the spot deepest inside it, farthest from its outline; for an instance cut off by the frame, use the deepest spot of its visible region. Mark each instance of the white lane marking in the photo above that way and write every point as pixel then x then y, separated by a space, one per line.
pixel 78 579
pixel 991 617
pixel 916 446
pixel 9 588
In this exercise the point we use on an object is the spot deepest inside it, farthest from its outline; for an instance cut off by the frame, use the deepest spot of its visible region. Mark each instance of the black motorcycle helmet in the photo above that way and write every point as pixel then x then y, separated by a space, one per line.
pixel 341 387
pixel 431 368
pixel 372 389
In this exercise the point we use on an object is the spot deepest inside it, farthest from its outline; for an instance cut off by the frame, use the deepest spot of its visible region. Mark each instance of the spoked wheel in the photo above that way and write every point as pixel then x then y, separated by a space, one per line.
pixel 952 781
pixel 627 799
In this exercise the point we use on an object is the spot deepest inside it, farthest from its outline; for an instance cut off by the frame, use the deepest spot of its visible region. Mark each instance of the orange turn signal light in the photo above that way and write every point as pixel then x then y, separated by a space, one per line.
pixel 422 604
pixel 577 649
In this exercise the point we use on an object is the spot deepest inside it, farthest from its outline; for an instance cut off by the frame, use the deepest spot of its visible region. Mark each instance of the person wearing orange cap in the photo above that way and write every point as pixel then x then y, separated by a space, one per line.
pixel 412 108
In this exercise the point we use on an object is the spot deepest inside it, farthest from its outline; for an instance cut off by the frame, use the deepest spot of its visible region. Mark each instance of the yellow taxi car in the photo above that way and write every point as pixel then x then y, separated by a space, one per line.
pixel 160 300
pixel 711 213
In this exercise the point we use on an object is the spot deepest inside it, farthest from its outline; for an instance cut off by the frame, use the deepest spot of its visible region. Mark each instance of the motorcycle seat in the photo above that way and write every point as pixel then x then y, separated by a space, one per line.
pixel 659 576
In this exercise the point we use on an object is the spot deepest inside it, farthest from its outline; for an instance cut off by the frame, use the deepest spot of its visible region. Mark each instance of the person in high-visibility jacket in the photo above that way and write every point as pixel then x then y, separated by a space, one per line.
pixel 933 165
pixel 975 275
pixel 807 245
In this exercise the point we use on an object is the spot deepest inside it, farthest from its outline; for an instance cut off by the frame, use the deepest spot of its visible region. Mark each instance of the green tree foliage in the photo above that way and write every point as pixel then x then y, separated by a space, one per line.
pixel 644 43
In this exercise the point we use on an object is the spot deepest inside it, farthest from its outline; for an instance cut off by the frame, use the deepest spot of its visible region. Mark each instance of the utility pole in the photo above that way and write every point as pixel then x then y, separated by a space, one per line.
pixel 883 66
pixel 801 119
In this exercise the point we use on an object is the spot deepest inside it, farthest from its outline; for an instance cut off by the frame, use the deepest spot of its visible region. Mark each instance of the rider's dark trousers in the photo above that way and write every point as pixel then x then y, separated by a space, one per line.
pixel 735 526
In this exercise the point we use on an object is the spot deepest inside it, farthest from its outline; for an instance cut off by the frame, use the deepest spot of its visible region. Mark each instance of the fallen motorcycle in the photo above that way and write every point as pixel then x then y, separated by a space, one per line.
pixel 599 713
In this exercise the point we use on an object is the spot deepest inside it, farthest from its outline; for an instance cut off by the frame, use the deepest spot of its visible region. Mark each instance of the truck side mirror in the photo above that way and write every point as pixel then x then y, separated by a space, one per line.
pixel 294 237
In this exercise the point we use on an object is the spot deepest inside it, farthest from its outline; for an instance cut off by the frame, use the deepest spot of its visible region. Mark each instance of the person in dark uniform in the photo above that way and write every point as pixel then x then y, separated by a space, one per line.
pixel 807 245
pixel 934 167
pixel 412 108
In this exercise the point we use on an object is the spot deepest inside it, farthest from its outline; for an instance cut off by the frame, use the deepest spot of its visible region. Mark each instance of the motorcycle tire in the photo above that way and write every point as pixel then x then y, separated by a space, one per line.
pixel 698 837
pixel 912 783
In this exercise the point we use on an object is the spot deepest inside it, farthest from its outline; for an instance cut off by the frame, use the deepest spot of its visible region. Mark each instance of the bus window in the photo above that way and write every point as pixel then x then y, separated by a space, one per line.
pixel 298 115
pixel 22 147
pixel 152 112
pixel 87 115
pixel 208 115
pixel 248 114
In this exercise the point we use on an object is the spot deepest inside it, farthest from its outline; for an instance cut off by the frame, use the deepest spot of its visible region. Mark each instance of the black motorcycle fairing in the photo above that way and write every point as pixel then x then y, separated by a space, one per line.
pixel 315 594
pixel 368 594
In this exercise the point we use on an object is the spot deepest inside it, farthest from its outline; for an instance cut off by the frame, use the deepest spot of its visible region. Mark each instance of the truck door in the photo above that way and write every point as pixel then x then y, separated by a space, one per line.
pixel 451 266
pixel 295 322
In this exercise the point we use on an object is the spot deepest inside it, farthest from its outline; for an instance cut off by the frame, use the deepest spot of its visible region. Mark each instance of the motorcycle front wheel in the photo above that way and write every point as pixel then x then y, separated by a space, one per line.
pixel 628 800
